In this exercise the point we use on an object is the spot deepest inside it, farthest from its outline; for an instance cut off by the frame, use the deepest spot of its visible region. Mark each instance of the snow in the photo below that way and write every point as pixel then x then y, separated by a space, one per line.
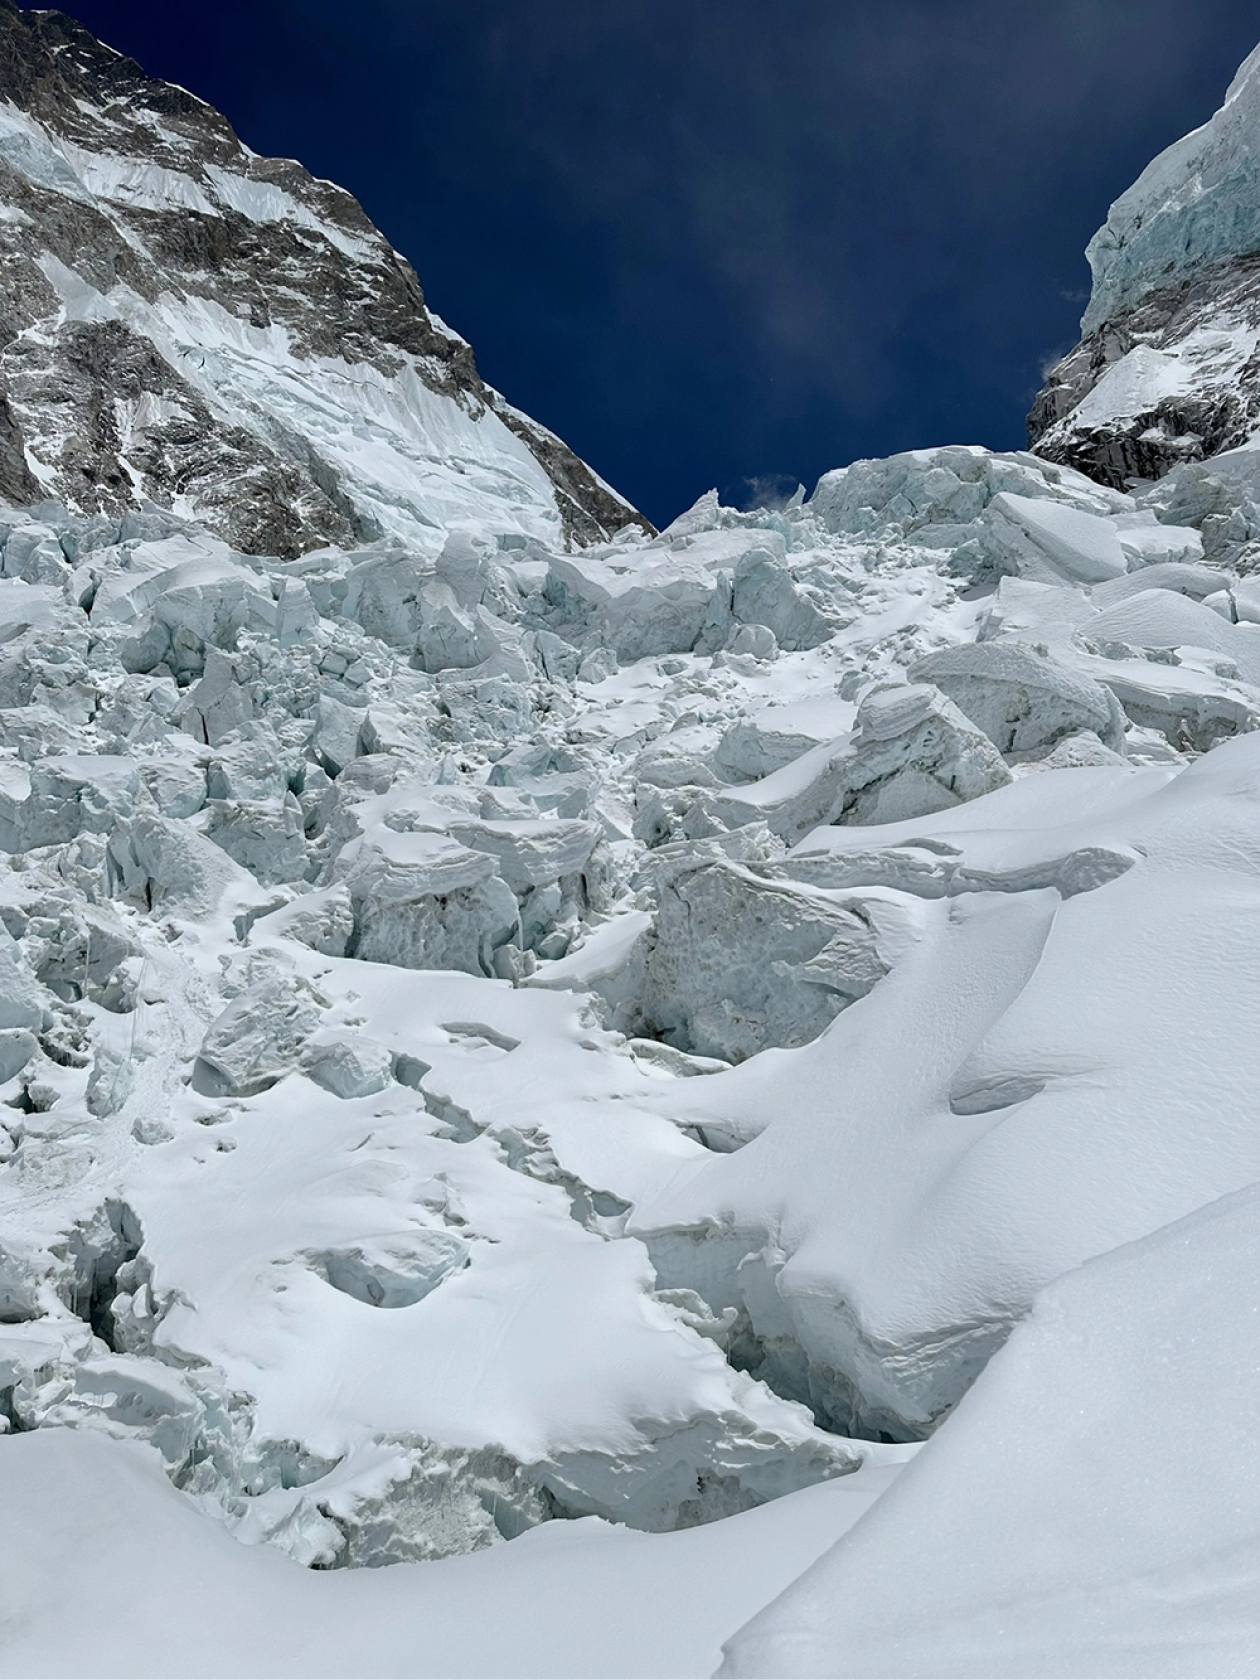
pixel 1140 380
pixel 1091 1507
pixel 534 1078
pixel 407 1136
pixel 263 201
pixel 568 1599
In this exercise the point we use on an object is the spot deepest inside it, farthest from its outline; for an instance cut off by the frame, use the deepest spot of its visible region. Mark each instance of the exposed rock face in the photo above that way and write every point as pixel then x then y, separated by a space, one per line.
pixel 1168 367
pixel 186 323
pixel 1177 379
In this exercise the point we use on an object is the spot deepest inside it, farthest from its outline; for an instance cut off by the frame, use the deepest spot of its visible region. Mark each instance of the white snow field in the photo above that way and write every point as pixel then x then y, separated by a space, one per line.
pixel 535 1078
pixel 80 1516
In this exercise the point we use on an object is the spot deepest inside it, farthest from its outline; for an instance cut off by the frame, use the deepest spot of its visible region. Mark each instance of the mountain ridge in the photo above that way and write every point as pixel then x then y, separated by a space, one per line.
pixel 230 303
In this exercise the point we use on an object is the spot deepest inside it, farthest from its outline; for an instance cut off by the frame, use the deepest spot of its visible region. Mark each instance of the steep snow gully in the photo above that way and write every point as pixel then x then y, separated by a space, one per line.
pixel 724 1060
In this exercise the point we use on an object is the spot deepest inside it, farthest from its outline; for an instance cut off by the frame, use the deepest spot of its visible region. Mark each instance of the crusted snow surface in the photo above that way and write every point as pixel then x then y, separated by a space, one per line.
pixel 568 1599
pixel 469 1058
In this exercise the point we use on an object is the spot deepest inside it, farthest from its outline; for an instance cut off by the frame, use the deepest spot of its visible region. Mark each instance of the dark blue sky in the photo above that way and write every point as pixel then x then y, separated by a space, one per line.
pixel 724 242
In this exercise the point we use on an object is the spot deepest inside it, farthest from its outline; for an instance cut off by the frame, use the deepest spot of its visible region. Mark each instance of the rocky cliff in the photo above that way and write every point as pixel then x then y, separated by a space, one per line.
pixel 185 323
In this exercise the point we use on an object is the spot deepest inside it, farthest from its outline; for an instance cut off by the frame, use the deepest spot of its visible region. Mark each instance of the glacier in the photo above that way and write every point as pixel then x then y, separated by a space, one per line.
pixel 548 1067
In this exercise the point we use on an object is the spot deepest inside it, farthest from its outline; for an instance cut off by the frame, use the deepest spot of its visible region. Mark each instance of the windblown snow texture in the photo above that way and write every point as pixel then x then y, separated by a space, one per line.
pixel 520 1036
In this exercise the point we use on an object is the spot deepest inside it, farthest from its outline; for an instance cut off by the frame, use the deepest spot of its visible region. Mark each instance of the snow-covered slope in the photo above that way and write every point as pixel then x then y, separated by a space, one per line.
pixel 1091 1509
pixel 503 1041
pixel 428 1112
pixel 569 1599
pixel 188 324
pixel 1168 368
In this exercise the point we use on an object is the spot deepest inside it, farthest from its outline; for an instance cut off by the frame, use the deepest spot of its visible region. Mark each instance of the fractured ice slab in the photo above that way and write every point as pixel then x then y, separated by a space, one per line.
pixel 574 1082
pixel 1034 1055
pixel 739 963
pixel 1024 701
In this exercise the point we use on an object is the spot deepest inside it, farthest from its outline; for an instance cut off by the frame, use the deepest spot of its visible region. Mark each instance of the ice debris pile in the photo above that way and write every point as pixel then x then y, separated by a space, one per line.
pixel 448 1001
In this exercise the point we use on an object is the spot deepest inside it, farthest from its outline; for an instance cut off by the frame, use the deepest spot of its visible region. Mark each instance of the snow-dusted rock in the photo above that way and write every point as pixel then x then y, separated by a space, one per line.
pixel 1164 378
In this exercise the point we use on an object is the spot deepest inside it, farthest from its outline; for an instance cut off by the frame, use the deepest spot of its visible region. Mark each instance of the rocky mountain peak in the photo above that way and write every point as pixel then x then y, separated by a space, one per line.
pixel 186 323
